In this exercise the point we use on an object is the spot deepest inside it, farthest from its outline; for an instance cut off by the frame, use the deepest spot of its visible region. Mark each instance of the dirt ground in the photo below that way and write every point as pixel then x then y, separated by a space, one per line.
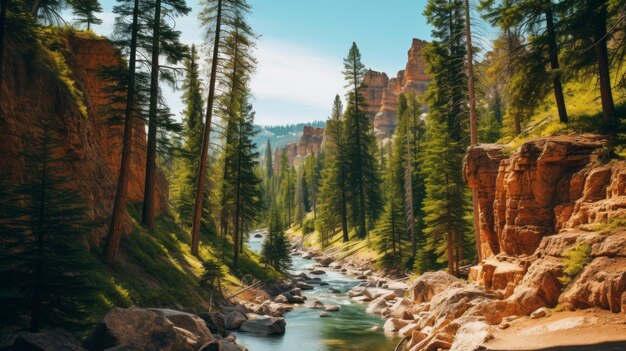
pixel 584 330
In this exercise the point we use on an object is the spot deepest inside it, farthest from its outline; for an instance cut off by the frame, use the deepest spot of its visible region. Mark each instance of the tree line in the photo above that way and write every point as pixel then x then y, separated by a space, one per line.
pixel 408 198
pixel 210 158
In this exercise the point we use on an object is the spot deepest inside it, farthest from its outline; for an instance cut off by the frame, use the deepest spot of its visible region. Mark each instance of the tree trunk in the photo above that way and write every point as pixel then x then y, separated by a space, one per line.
pixel 362 226
pixel 602 59
pixel 473 123
pixel 35 8
pixel 408 191
pixel 119 207
pixel 554 63
pixel 344 208
pixel 200 182
pixel 236 235
pixel 148 217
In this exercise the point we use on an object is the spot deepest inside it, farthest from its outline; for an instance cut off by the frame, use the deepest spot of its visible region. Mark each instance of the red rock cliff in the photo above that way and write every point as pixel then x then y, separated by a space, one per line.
pixel 91 144
pixel 535 205
pixel 310 143
pixel 381 93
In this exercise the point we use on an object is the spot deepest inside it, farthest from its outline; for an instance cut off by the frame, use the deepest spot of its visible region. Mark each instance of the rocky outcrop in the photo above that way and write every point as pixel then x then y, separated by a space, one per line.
pixel 63 82
pixel 310 143
pixel 546 186
pixel 536 206
pixel 381 92
pixel 264 326
pixel 149 329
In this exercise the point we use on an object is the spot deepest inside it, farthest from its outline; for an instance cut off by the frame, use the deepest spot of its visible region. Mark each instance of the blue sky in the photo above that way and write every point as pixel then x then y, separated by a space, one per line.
pixel 302 46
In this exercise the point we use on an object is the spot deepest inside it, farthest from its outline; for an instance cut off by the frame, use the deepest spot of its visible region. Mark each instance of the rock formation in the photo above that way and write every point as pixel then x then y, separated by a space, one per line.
pixel 310 143
pixel 548 197
pixel 381 92
pixel 77 103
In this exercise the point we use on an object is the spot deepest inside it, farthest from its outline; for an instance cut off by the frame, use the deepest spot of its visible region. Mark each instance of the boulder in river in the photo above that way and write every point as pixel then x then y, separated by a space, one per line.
pixel 318 271
pixel 331 308
pixel 377 306
pixel 215 322
pixel 325 261
pixel 281 299
pixel 234 319
pixel 264 326
pixel 324 314
pixel 304 286
pixel 334 291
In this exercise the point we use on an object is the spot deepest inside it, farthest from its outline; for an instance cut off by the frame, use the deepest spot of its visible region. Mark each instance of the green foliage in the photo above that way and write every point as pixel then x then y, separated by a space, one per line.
pixel 276 247
pixel 333 185
pixel 45 268
pixel 574 260
pixel 85 12
pixel 391 233
pixel 360 150
pixel 212 271
pixel 308 227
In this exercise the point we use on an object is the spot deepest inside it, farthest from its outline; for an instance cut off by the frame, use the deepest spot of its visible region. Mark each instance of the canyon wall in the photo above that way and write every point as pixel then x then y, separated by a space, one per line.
pixel 536 205
pixel 552 232
pixel 65 85
pixel 381 92
pixel 310 143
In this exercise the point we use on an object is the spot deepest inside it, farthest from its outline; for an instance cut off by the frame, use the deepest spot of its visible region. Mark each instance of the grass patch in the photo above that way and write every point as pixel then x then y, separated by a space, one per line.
pixel 574 261
pixel 584 112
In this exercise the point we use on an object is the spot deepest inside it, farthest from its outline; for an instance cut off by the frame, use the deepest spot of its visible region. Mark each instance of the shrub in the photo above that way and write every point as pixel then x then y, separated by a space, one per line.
pixel 574 260
pixel 308 227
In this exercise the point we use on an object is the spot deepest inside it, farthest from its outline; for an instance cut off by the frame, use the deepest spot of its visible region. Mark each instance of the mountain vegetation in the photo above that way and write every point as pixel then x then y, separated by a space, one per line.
pixel 554 67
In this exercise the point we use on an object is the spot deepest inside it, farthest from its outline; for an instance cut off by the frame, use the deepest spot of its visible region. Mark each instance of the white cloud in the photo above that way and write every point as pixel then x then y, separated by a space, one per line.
pixel 296 74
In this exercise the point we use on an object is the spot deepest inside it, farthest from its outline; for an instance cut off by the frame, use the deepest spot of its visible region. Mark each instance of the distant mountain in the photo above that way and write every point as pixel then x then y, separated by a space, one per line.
pixel 280 136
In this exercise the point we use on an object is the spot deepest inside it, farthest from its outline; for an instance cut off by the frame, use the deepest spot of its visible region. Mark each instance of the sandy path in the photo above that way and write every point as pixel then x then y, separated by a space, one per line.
pixel 585 330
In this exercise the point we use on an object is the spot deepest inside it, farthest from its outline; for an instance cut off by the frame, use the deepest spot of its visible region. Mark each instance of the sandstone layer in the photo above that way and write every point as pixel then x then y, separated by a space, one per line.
pixel 310 143
pixel 381 92
pixel 78 104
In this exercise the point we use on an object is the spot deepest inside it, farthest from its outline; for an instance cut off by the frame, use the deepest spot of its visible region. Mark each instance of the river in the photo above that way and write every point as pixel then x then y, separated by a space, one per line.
pixel 347 329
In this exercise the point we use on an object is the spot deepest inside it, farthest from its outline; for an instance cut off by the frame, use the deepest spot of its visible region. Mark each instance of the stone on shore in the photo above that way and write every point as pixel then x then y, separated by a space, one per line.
pixel 149 329
pixel 264 326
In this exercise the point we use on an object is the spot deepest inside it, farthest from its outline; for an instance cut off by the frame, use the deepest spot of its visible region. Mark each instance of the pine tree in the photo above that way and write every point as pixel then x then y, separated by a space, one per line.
pixel 166 43
pixel 269 164
pixel 390 234
pixel 360 146
pixel 445 203
pixel 121 194
pixel 357 126
pixel 587 25
pixel 246 182
pixel 85 12
pixel 333 208
pixel 192 138
pixel 287 189
pixel 299 210
pixel 216 16
pixel 45 269
pixel 275 251
pixel 312 177
pixel 537 20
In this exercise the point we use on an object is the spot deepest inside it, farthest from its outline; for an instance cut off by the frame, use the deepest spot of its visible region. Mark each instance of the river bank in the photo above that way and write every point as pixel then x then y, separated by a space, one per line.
pixel 438 311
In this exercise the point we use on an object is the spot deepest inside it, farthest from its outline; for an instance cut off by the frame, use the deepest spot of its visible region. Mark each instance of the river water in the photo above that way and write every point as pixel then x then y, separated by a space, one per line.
pixel 347 329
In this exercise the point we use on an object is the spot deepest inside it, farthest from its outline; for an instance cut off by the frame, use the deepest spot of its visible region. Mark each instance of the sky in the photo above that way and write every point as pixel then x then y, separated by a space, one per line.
pixel 302 45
